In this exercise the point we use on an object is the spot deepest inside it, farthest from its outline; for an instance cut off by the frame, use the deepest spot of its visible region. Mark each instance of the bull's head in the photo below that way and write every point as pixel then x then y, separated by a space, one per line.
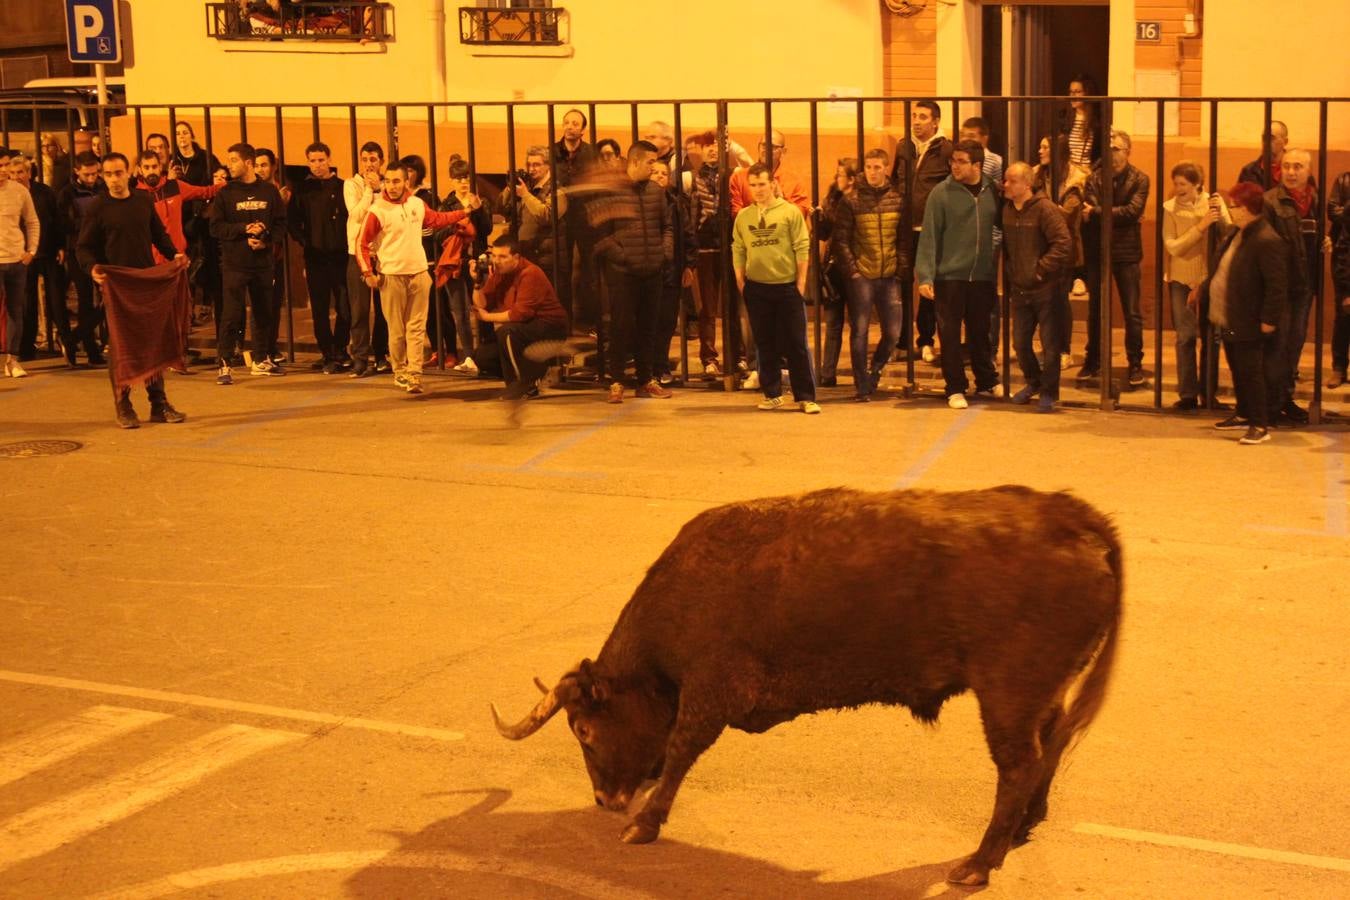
pixel 622 730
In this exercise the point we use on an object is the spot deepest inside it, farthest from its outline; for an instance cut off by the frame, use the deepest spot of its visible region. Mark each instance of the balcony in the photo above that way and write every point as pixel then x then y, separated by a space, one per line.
pixel 491 27
pixel 349 21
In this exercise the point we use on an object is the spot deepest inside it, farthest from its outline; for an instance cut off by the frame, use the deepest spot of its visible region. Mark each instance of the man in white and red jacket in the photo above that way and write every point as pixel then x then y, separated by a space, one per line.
pixel 391 240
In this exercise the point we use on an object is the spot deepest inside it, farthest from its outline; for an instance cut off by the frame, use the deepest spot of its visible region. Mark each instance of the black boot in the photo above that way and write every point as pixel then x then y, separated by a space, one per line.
pixel 162 411
pixel 126 414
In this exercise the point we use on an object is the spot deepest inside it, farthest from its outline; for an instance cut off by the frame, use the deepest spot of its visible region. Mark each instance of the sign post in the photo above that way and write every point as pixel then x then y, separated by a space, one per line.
pixel 94 35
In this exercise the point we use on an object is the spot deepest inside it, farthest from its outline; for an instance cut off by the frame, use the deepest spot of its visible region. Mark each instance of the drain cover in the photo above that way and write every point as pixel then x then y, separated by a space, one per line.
pixel 24 449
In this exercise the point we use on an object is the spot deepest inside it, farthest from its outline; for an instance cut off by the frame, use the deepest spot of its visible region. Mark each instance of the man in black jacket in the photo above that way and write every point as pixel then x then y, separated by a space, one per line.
pixel 45 264
pixel 119 228
pixel 926 156
pixel 1338 216
pixel 72 201
pixel 1291 207
pixel 318 220
pixel 635 238
pixel 1248 305
pixel 246 217
pixel 1129 197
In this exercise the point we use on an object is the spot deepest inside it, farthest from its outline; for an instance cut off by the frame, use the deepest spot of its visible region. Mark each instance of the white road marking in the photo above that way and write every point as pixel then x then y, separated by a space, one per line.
pixel 45 828
pixel 61 740
pixel 276 712
pixel 1333 863
pixel 569 880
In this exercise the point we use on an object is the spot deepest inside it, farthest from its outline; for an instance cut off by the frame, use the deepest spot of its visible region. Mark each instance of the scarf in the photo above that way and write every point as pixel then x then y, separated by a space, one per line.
pixel 149 315
pixel 1303 201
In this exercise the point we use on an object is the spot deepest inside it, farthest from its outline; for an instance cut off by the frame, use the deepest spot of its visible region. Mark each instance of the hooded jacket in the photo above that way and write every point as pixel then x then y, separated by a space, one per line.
pixel 1036 245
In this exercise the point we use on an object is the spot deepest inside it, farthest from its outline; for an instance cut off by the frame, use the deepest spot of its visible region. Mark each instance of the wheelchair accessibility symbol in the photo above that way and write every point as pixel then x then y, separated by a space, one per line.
pixel 104 45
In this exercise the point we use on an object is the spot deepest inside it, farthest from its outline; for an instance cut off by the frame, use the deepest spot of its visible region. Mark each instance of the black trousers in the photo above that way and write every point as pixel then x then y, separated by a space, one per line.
pixel 967 303
pixel 88 314
pixel 514 337
pixel 634 303
pixel 154 387
pixel 326 273
pixel 53 277
pixel 1258 377
pixel 778 319
pixel 926 316
pixel 240 286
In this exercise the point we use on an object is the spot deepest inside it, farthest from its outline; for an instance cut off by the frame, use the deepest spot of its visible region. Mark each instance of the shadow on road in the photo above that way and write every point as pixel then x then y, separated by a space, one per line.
pixel 483 852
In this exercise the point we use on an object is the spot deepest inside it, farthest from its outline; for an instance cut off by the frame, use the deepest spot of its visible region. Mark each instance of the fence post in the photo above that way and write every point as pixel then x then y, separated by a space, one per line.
pixel 1106 175
pixel 1207 330
pixel 1161 292
pixel 285 249
pixel 730 320
pixel 1319 330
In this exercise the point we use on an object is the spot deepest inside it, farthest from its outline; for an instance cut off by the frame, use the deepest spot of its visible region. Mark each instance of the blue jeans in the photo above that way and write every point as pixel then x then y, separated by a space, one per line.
pixel 1187 328
pixel 865 294
pixel 12 279
pixel 1042 310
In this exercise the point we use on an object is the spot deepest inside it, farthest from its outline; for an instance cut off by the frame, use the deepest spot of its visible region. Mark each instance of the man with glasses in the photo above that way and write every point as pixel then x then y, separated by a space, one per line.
pixel 956 268
pixel 1129 188
pixel 528 203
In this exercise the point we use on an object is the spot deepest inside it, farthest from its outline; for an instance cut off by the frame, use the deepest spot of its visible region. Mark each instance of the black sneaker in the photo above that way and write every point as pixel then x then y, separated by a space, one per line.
pixel 332 367
pixel 1294 414
pixel 126 414
pixel 1136 376
pixel 829 381
pixel 1255 435
pixel 1186 404
pixel 1088 372
pixel 164 412
pixel 382 366
pixel 1233 423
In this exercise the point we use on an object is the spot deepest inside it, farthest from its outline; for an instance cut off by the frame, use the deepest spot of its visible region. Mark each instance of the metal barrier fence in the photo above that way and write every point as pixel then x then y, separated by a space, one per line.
pixel 491 136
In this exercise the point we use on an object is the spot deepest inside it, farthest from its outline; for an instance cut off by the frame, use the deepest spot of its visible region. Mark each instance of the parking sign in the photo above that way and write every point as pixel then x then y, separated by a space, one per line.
pixel 93 31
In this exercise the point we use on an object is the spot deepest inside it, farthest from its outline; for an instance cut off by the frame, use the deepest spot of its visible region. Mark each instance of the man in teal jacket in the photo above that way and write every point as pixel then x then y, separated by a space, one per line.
pixel 956 267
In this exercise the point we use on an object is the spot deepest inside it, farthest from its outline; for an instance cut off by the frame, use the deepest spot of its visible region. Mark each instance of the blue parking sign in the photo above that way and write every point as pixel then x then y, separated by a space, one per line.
pixel 93 32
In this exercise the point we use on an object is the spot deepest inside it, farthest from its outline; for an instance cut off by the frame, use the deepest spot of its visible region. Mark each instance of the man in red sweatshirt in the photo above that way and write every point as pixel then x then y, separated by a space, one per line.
pixel 169 195
pixel 519 299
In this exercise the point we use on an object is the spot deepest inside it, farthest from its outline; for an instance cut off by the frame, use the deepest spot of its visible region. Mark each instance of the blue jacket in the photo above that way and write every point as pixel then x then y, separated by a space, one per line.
pixel 957 241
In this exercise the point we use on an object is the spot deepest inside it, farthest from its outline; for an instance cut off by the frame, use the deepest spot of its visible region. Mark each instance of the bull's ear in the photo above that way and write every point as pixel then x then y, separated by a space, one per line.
pixel 594 687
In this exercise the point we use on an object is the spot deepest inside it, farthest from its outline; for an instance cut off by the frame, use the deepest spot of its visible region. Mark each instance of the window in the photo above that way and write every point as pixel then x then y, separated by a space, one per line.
pixel 512 22
pixel 360 21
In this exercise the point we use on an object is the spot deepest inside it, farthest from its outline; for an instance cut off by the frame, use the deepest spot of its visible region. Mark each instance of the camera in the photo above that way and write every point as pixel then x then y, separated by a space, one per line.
pixel 482 270
pixel 522 175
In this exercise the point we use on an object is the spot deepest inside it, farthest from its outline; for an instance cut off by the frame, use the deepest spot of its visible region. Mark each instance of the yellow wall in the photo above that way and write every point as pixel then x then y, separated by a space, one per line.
pixel 756 48
pixel 1295 49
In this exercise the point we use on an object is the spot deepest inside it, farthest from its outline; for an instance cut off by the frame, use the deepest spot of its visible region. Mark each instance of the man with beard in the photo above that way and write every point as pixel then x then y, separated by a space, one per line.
pixel 73 201
pixel 120 228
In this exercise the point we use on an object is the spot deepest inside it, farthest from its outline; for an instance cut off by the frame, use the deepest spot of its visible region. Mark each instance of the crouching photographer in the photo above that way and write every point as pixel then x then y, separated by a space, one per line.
pixel 518 300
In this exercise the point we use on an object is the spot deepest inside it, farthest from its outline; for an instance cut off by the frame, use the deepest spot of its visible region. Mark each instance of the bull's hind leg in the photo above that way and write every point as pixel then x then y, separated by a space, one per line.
pixel 1014 745
pixel 693 733
pixel 1052 749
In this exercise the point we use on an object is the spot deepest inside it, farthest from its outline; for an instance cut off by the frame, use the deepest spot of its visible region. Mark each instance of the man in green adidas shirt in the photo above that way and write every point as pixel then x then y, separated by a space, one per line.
pixel 769 249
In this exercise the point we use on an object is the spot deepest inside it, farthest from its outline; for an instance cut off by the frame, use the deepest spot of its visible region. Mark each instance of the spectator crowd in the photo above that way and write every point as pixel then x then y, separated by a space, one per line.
pixel 615 242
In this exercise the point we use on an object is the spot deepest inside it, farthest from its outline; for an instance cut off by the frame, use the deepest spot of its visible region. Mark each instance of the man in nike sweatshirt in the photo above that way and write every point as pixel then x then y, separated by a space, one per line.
pixel 770 249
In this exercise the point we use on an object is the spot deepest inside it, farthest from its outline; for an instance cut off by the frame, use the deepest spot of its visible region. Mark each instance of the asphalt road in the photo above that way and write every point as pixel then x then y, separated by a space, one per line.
pixel 251 655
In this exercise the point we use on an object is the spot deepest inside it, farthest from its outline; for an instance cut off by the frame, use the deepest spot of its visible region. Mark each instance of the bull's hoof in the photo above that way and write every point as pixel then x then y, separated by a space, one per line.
pixel 639 833
pixel 969 874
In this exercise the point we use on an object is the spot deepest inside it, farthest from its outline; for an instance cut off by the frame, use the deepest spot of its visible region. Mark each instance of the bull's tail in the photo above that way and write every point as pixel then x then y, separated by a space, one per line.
pixel 1092 689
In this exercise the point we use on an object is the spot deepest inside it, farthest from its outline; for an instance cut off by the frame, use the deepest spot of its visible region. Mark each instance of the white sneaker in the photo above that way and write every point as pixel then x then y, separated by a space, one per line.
pixel 1065 361
pixel 468 367
pixel 957 401
pixel 1079 287
pixel 928 353
pixel 751 382
pixel 14 370
pixel 810 407
pixel 769 403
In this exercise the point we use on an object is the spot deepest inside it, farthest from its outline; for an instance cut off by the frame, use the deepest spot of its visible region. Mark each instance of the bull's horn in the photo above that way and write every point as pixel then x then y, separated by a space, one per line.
pixel 543 688
pixel 548 705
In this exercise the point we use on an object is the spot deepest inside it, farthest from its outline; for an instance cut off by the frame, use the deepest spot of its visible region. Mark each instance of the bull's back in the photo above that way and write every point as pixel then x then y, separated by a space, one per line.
pixel 849 597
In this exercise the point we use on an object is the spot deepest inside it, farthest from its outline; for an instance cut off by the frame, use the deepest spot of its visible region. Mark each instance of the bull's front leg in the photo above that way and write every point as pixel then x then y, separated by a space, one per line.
pixel 688 739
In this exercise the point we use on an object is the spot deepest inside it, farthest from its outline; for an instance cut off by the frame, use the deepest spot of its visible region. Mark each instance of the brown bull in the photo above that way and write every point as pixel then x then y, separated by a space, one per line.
pixel 762 611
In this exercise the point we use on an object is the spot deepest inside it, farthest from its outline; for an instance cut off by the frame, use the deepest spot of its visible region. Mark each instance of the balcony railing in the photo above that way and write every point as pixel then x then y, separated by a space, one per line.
pixel 354 21
pixel 506 27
